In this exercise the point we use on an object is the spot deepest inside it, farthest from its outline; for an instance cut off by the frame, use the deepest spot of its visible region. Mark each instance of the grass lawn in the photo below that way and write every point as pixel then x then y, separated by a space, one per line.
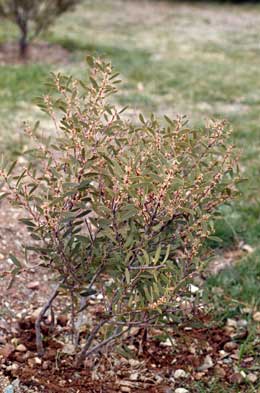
pixel 201 60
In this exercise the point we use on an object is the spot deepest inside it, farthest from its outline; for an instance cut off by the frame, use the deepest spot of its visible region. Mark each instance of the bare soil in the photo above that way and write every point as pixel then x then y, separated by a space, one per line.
pixel 154 368
pixel 38 52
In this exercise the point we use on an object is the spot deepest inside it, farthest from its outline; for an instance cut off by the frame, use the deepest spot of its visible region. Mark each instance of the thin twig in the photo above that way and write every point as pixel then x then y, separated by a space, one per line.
pixel 79 321
pixel 100 345
pixel 147 267
pixel 39 344
pixel 82 355
pixel 73 330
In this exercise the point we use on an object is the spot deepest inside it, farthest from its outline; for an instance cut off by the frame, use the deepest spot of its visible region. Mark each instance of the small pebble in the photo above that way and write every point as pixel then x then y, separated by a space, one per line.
pixel 9 389
pixel 247 248
pixel 242 323
pixel 181 390
pixel 193 288
pixel 256 316
pixel 179 374
pixel 231 322
pixel 12 367
pixel 125 389
pixel 134 377
pixel 227 361
pixel 45 365
pixel 2 340
pixel 230 346
pixel 252 377
pixel 220 372
pixel 33 285
pixel 168 342
pixel 236 378
pixel 134 362
pixel 38 361
pixel 21 348
pixel 199 376
pixel 208 363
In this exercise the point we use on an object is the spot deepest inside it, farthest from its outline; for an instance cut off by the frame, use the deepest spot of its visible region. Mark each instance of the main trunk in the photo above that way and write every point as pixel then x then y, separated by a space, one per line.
pixel 23 42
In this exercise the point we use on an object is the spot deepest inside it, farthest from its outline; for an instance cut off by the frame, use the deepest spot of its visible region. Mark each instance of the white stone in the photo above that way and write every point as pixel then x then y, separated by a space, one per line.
pixel 36 313
pixel 69 349
pixel 193 288
pixel 252 377
pixel 159 379
pixel 231 322
pixel 242 323
pixel 168 343
pixel 248 248
pixel 134 362
pixel 208 363
pixel 180 374
pixel 256 316
pixel 21 348
pixel 12 367
pixel 134 377
pixel 181 390
pixel 125 389
pixel 38 361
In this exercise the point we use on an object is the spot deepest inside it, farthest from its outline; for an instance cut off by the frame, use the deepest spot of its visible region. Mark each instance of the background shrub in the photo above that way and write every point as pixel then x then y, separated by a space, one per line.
pixel 33 16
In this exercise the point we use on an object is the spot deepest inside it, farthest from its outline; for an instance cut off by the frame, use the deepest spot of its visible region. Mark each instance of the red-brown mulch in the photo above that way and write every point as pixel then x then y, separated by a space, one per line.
pixel 55 372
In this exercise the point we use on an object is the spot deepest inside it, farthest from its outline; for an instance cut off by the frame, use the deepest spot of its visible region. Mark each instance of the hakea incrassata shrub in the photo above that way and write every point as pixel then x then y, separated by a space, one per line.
pixel 118 207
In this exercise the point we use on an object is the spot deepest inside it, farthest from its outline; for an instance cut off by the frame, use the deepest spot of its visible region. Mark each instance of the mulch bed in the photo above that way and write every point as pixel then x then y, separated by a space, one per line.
pixel 154 369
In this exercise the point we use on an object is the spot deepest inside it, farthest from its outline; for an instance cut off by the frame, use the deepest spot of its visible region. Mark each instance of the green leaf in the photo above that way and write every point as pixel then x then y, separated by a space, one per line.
pixel 169 120
pixel 15 261
pixel 167 253
pixel 90 60
pixel 157 254
pixel 146 257
pixel 127 276
pixel 142 118
pixel 88 292
pixel 11 168
pixel 3 195
pixel 83 185
pixel 94 83
pixel 27 222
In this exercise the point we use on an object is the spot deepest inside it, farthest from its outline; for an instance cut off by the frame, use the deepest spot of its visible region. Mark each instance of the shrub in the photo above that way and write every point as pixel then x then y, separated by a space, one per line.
pixel 33 16
pixel 117 207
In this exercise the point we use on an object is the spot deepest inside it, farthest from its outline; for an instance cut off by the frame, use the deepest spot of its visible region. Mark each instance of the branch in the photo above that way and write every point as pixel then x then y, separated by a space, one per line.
pixel 83 353
pixel 47 305
pixel 147 267
pixel 100 345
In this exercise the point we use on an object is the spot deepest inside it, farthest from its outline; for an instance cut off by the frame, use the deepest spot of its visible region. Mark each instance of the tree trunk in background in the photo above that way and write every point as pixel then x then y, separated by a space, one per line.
pixel 23 42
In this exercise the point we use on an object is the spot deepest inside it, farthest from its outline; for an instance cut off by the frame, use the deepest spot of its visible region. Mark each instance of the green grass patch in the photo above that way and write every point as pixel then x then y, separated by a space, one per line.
pixel 20 84
pixel 241 282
